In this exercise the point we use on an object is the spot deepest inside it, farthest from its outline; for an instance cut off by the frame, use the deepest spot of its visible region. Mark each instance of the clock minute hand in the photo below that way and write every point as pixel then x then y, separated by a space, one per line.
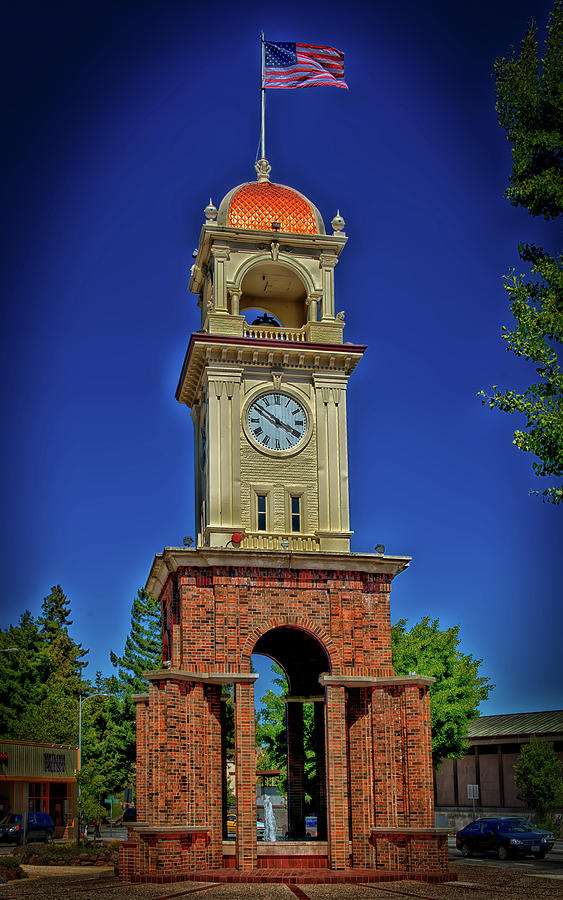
pixel 277 421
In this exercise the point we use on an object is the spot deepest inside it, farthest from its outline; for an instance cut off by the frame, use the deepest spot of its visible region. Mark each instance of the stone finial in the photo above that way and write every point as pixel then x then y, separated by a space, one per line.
pixel 338 223
pixel 210 212
pixel 263 169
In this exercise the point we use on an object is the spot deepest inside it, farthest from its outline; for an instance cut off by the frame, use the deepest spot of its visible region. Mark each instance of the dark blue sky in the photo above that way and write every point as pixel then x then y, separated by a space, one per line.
pixel 122 119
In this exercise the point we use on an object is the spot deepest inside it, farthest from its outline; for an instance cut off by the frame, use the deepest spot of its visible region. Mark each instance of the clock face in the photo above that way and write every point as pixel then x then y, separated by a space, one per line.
pixel 277 421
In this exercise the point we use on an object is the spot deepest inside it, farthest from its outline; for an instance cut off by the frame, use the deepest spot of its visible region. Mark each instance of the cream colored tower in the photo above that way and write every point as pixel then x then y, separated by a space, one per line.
pixel 266 376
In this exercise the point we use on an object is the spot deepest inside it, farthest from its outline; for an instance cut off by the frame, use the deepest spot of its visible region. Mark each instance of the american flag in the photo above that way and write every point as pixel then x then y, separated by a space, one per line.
pixel 288 65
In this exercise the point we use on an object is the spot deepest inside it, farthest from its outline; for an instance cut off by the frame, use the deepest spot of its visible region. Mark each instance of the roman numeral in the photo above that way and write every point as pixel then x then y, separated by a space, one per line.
pixel 288 402
pixel 295 411
pixel 276 399
pixel 266 440
pixel 278 445
pixel 298 422
pixel 265 401
pixel 255 420
pixel 257 432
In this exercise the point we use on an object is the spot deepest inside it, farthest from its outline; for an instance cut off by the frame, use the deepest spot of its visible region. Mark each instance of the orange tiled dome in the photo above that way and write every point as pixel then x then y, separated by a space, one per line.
pixel 256 204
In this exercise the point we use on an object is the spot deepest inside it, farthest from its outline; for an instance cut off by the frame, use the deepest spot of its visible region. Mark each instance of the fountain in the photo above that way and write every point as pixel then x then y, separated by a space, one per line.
pixel 269 820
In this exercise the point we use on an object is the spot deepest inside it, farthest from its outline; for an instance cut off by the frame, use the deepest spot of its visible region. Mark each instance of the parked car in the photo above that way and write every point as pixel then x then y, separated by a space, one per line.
pixel 40 827
pixel 505 837
pixel 526 823
pixel 232 826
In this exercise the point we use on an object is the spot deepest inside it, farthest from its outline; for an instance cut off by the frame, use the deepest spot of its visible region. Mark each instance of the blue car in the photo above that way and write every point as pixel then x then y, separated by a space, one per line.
pixel 505 837
pixel 40 827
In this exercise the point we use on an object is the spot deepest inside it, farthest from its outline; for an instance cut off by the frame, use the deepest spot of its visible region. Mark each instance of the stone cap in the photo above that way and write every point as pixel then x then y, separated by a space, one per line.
pixel 357 681
pixel 401 829
pixel 205 677
pixel 170 829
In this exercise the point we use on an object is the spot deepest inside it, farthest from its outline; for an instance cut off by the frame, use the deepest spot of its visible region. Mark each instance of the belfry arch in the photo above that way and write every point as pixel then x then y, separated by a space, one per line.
pixel 280 288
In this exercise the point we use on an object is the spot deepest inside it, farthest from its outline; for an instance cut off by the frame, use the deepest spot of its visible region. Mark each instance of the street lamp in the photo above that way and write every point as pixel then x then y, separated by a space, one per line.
pixel 82 700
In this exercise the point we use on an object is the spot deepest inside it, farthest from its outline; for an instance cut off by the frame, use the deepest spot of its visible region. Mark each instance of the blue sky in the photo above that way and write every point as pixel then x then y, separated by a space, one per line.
pixel 124 117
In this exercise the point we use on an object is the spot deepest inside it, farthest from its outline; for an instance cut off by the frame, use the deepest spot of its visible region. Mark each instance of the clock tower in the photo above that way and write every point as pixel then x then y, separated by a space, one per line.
pixel 265 379
pixel 266 376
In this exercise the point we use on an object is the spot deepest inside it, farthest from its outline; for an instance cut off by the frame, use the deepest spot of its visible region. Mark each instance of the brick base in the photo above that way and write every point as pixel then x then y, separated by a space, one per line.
pixel 293 876
pixel 154 857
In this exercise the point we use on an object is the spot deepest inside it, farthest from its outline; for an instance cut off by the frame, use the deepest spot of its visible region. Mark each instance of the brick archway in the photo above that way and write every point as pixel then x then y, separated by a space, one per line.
pixel 304 659
pixel 302 623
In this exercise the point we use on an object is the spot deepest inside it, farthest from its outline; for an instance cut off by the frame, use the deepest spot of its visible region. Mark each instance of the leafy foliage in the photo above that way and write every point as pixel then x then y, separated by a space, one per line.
pixel 109 723
pixel 538 776
pixel 458 689
pixel 271 734
pixel 530 109
pixel 537 307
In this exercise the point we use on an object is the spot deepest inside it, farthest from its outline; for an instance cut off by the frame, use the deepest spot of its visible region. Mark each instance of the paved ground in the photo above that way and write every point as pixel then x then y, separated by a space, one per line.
pixel 476 882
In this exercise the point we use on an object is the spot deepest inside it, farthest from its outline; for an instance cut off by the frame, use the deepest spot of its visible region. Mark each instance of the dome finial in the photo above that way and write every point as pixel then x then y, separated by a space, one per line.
pixel 210 212
pixel 263 169
pixel 338 223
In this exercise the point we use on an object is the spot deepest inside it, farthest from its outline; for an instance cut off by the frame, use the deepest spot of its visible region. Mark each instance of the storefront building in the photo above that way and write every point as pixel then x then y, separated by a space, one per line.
pixel 39 778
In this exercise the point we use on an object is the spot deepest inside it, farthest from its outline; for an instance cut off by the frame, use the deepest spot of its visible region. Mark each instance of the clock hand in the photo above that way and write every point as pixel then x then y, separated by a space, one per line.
pixel 278 422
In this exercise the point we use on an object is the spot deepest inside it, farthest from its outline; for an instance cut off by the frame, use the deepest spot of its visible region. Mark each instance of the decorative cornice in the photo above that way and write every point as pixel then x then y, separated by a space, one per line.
pixel 217 349
pixel 173 558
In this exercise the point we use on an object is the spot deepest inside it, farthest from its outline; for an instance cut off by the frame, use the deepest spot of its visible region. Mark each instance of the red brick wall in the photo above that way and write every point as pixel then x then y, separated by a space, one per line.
pixel 378 753
pixel 224 610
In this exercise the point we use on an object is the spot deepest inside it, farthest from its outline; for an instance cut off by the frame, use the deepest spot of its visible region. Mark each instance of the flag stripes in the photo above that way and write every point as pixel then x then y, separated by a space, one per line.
pixel 289 65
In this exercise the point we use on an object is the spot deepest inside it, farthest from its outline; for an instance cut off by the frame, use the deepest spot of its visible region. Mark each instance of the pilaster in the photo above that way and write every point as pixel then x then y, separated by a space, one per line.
pixel 245 776
pixel 327 263
pixel 295 770
pixel 361 775
pixel 337 776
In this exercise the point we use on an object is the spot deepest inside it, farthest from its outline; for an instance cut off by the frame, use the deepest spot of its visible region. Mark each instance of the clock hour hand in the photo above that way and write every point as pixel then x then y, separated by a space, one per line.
pixel 277 421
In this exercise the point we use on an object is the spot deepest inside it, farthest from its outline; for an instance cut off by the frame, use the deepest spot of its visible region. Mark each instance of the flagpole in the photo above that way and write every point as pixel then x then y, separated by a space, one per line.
pixel 263 108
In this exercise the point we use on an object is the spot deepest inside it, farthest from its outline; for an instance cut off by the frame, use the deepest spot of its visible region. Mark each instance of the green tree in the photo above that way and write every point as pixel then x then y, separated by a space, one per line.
pixel 537 307
pixel 271 734
pixel 530 110
pixel 42 676
pixel 24 669
pixel 109 723
pixel 143 646
pixel 108 746
pixel 538 777
pixel 458 689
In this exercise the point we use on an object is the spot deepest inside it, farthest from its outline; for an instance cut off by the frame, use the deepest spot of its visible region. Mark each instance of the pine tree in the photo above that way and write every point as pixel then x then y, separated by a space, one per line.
pixel 143 647
pixel 24 670
pixel 41 679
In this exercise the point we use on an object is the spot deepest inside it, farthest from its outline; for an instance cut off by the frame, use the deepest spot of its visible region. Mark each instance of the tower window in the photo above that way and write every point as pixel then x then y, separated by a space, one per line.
pixel 261 511
pixel 296 513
